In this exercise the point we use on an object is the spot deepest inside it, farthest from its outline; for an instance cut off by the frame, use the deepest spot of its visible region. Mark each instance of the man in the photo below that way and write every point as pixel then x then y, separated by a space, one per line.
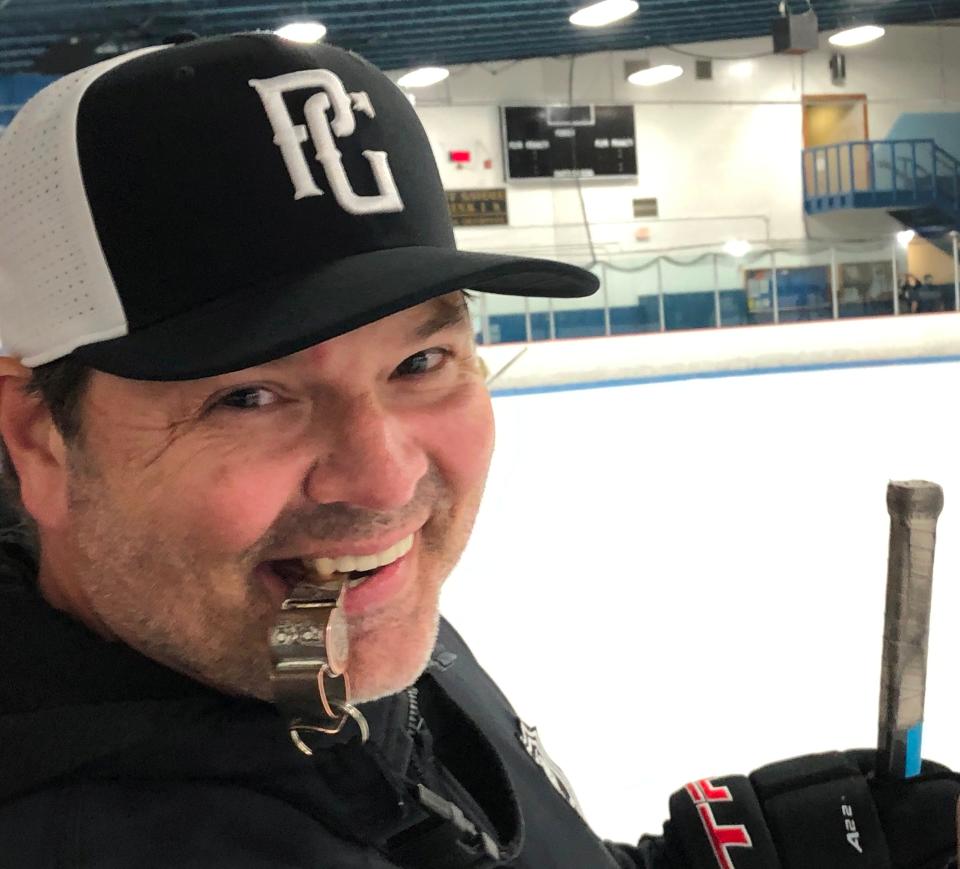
pixel 909 295
pixel 930 296
pixel 248 435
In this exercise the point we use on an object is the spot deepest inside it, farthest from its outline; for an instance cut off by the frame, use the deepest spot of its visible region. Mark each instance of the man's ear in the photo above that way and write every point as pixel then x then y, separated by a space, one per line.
pixel 35 446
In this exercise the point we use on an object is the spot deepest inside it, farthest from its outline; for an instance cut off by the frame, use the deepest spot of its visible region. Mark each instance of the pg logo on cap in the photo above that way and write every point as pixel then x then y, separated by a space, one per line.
pixel 289 136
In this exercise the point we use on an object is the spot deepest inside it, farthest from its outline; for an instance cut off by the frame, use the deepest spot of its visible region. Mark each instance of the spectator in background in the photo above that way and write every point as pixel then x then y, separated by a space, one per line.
pixel 909 295
pixel 930 296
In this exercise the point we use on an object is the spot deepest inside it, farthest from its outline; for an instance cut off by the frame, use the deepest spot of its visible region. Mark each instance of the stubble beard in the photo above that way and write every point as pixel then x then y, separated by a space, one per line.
pixel 165 595
pixel 203 614
pixel 158 600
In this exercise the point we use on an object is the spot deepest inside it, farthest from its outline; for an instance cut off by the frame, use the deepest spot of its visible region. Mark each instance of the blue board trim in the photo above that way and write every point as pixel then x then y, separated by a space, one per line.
pixel 695 375
pixel 912 760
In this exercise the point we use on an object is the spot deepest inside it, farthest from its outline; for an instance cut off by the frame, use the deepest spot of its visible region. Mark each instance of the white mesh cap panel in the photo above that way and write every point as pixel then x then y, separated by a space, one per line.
pixel 56 290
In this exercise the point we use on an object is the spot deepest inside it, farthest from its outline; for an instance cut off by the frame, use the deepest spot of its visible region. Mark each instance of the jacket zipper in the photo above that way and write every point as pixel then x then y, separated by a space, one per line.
pixel 414 725
pixel 414 720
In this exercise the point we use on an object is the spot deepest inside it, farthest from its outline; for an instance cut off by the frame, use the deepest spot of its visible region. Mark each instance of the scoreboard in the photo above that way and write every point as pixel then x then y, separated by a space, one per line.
pixel 568 142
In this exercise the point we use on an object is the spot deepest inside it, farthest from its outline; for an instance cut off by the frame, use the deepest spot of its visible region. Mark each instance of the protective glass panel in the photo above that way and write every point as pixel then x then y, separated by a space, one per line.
pixel 759 283
pixel 506 318
pixel 733 294
pixel 633 293
pixel 804 285
pixel 688 285
pixel 583 317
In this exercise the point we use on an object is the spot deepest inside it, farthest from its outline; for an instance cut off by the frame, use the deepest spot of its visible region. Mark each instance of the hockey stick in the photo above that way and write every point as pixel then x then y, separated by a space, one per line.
pixel 914 507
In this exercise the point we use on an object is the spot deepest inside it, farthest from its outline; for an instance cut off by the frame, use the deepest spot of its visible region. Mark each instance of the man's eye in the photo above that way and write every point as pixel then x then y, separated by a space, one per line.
pixel 424 362
pixel 248 398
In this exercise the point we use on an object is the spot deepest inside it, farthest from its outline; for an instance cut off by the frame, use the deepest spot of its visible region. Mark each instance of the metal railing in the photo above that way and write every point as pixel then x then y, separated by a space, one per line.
pixel 895 172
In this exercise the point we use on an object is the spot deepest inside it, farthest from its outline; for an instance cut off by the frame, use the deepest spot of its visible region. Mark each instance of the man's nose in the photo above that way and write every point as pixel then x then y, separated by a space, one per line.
pixel 370 459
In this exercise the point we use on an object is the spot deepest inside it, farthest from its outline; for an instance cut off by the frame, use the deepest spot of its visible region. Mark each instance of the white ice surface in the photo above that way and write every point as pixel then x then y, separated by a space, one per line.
pixel 678 580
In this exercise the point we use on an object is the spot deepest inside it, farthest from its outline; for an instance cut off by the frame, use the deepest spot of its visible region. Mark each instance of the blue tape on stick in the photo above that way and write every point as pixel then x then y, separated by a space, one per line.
pixel 912 760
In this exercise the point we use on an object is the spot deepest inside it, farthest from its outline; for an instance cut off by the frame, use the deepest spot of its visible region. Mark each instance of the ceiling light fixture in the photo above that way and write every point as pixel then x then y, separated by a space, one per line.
pixel 655 75
pixel 905 237
pixel 302 31
pixel 737 248
pixel 423 77
pixel 603 13
pixel 857 35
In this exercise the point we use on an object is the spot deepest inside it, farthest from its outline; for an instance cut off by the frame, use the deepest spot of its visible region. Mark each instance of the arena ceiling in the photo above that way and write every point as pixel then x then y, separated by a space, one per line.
pixel 39 35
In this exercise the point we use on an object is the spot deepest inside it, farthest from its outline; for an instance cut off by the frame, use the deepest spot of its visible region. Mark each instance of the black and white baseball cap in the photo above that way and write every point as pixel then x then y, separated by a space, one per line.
pixel 184 211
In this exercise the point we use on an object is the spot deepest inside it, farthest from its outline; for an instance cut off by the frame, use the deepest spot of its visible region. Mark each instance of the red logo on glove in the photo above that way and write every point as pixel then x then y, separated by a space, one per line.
pixel 721 837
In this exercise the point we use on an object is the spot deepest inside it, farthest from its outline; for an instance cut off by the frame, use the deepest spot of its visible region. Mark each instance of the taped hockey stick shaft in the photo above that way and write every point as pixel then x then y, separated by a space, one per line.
pixel 914 508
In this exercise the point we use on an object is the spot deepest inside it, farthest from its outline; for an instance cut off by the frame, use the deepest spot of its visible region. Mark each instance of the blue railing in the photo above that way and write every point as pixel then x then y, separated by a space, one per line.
pixel 880 174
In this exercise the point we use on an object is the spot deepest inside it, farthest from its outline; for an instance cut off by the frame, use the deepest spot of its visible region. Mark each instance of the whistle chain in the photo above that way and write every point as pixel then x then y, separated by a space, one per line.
pixel 309 649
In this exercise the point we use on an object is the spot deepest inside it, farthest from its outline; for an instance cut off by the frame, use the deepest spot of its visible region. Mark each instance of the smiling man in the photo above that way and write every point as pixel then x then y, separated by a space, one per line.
pixel 246 435
pixel 372 445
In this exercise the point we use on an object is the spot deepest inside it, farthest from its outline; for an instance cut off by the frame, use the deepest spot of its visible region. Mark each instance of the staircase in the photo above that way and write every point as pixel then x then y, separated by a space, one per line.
pixel 913 180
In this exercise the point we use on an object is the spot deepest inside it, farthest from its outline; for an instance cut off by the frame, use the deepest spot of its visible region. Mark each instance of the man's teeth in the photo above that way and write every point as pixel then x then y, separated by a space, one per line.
pixel 350 563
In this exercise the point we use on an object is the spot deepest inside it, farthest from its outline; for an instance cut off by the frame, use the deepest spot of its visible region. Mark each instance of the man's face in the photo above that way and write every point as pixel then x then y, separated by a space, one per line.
pixel 191 501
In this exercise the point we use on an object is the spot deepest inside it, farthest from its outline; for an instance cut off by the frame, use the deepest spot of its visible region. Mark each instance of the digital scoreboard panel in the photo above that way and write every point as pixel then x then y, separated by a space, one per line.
pixel 568 142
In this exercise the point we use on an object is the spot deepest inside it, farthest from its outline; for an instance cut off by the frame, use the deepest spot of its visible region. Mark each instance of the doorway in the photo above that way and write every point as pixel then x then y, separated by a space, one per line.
pixel 835 119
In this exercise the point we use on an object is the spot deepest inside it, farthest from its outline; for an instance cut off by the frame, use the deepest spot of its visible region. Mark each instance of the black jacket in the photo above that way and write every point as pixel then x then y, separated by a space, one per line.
pixel 108 759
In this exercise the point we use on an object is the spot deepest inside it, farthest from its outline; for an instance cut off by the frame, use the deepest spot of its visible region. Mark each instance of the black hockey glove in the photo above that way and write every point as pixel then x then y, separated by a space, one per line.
pixel 822 811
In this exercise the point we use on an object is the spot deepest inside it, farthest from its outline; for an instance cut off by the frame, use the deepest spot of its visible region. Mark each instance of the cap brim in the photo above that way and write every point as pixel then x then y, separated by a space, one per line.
pixel 268 322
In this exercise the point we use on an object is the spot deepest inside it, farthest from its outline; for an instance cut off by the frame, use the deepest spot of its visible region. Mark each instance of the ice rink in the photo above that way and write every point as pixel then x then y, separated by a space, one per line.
pixel 684 579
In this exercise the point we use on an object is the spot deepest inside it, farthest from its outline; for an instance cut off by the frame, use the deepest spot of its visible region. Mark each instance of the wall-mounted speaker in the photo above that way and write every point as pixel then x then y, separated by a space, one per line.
pixel 796 34
pixel 838 68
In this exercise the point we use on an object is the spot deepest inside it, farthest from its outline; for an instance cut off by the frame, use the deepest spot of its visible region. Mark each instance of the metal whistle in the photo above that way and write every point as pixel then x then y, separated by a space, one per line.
pixel 309 649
